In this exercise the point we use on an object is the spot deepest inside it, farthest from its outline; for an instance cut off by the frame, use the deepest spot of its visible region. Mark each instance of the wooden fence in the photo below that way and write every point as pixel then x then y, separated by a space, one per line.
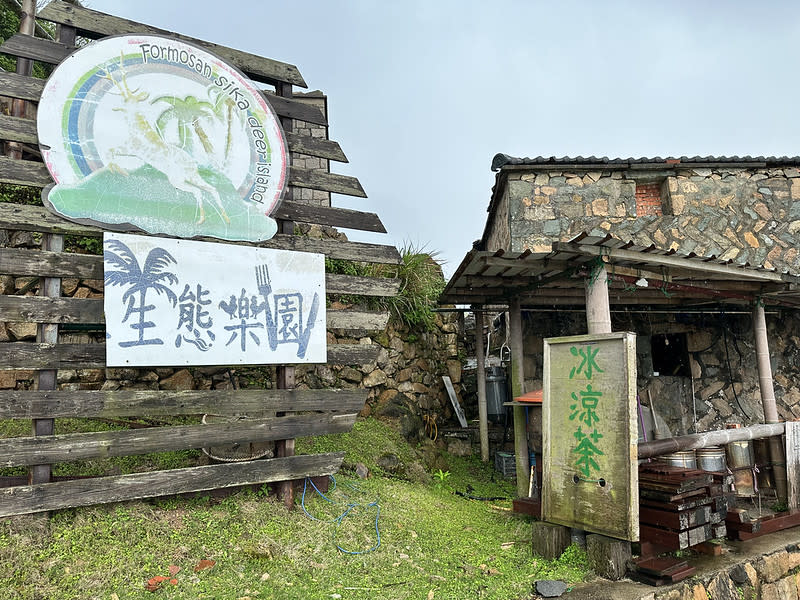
pixel 299 412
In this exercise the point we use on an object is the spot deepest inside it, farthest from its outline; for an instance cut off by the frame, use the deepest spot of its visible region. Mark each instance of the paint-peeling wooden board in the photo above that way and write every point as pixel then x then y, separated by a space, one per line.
pixel 84 492
pixel 793 463
pixel 25 355
pixel 24 404
pixel 50 449
pixel 590 434
pixel 93 24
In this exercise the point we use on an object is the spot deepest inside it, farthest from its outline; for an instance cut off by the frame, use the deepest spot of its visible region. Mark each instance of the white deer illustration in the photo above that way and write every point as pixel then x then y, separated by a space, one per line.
pixel 146 143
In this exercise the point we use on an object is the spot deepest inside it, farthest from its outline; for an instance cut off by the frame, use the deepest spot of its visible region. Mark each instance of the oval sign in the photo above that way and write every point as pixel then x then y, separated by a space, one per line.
pixel 156 133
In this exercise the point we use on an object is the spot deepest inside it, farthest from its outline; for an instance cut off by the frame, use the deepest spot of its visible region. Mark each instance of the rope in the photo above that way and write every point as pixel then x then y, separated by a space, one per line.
pixel 337 521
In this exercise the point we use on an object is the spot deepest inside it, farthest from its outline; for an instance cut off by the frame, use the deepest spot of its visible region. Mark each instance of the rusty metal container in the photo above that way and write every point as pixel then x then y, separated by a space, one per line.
pixel 763 462
pixel 741 462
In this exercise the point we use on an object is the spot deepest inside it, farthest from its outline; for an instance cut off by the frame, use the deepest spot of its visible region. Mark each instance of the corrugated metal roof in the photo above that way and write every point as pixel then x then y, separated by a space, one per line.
pixel 501 160
pixel 556 278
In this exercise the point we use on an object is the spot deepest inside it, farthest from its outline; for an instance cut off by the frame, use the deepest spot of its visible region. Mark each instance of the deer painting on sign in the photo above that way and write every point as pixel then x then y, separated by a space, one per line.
pixel 148 143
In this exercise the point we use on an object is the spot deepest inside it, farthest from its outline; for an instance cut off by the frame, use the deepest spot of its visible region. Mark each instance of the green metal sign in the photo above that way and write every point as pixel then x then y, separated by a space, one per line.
pixel 590 436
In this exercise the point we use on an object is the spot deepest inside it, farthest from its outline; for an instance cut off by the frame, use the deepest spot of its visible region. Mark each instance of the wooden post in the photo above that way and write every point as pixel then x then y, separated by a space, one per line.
pixel 47 379
pixel 517 389
pixel 608 557
pixel 285 374
pixel 768 398
pixel 598 310
pixel 480 351
pixel 549 540
pixel 27 24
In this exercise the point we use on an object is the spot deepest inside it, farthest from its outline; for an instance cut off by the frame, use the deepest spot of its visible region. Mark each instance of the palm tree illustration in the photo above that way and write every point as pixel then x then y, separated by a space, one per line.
pixel 223 107
pixel 186 113
pixel 139 280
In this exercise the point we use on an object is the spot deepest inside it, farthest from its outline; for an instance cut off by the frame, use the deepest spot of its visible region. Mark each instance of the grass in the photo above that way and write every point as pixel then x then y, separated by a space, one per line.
pixel 433 543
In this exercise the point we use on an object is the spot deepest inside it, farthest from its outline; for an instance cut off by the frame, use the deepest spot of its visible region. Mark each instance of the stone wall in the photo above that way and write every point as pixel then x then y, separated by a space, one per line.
pixel 721 352
pixel 404 381
pixel 774 576
pixel 309 196
pixel 743 214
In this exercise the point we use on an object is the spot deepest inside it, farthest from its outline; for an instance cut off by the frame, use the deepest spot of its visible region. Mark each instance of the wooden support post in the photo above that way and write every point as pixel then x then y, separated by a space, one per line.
pixel 776 452
pixel 27 25
pixel 517 389
pixel 608 557
pixel 49 286
pixel 549 540
pixel 285 374
pixel 598 310
pixel 483 418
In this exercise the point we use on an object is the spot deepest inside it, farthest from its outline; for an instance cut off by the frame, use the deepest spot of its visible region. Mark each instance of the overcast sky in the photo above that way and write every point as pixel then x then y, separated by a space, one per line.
pixel 423 93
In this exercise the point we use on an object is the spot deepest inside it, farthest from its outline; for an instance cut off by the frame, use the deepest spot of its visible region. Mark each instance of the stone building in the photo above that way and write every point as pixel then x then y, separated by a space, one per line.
pixel 696 357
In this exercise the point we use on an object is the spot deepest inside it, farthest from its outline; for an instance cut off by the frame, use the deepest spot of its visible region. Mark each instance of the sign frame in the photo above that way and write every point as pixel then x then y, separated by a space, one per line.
pixel 595 492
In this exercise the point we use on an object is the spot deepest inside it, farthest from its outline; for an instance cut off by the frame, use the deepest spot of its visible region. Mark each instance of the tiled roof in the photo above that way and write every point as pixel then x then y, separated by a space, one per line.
pixel 501 160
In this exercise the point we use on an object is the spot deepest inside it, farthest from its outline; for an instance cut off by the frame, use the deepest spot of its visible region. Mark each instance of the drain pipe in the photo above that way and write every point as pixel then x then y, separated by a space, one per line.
pixel 776 452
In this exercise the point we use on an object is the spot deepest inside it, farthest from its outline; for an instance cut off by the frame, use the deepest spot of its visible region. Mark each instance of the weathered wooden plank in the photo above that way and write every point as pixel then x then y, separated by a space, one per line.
pixel 36 218
pixel 24 130
pixel 47 51
pixel 24 355
pixel 793 463
pixel 318 147
pixel 43 309
pixel 361 286
pixel 296 109
pixel 16 404
pixel 84 492
pixel 16 261
pixel 357 319
pixel 328 182
pixel 16 129
pixel 20 86
pixel 328 215
pixel 352 354
pixel 93 24
pixel 24 172
pixel 83 446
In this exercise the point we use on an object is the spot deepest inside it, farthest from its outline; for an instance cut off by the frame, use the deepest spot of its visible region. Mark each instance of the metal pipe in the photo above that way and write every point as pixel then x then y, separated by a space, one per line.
pixel 708 438
pixel 483 417
pixel 517 389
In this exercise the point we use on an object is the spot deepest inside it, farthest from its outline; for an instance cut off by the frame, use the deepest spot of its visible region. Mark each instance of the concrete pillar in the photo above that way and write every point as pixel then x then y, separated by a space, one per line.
pixel 776 451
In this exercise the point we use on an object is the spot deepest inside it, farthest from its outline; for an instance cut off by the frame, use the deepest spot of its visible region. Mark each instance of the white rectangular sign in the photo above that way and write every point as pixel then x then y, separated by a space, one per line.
pixel 178 302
